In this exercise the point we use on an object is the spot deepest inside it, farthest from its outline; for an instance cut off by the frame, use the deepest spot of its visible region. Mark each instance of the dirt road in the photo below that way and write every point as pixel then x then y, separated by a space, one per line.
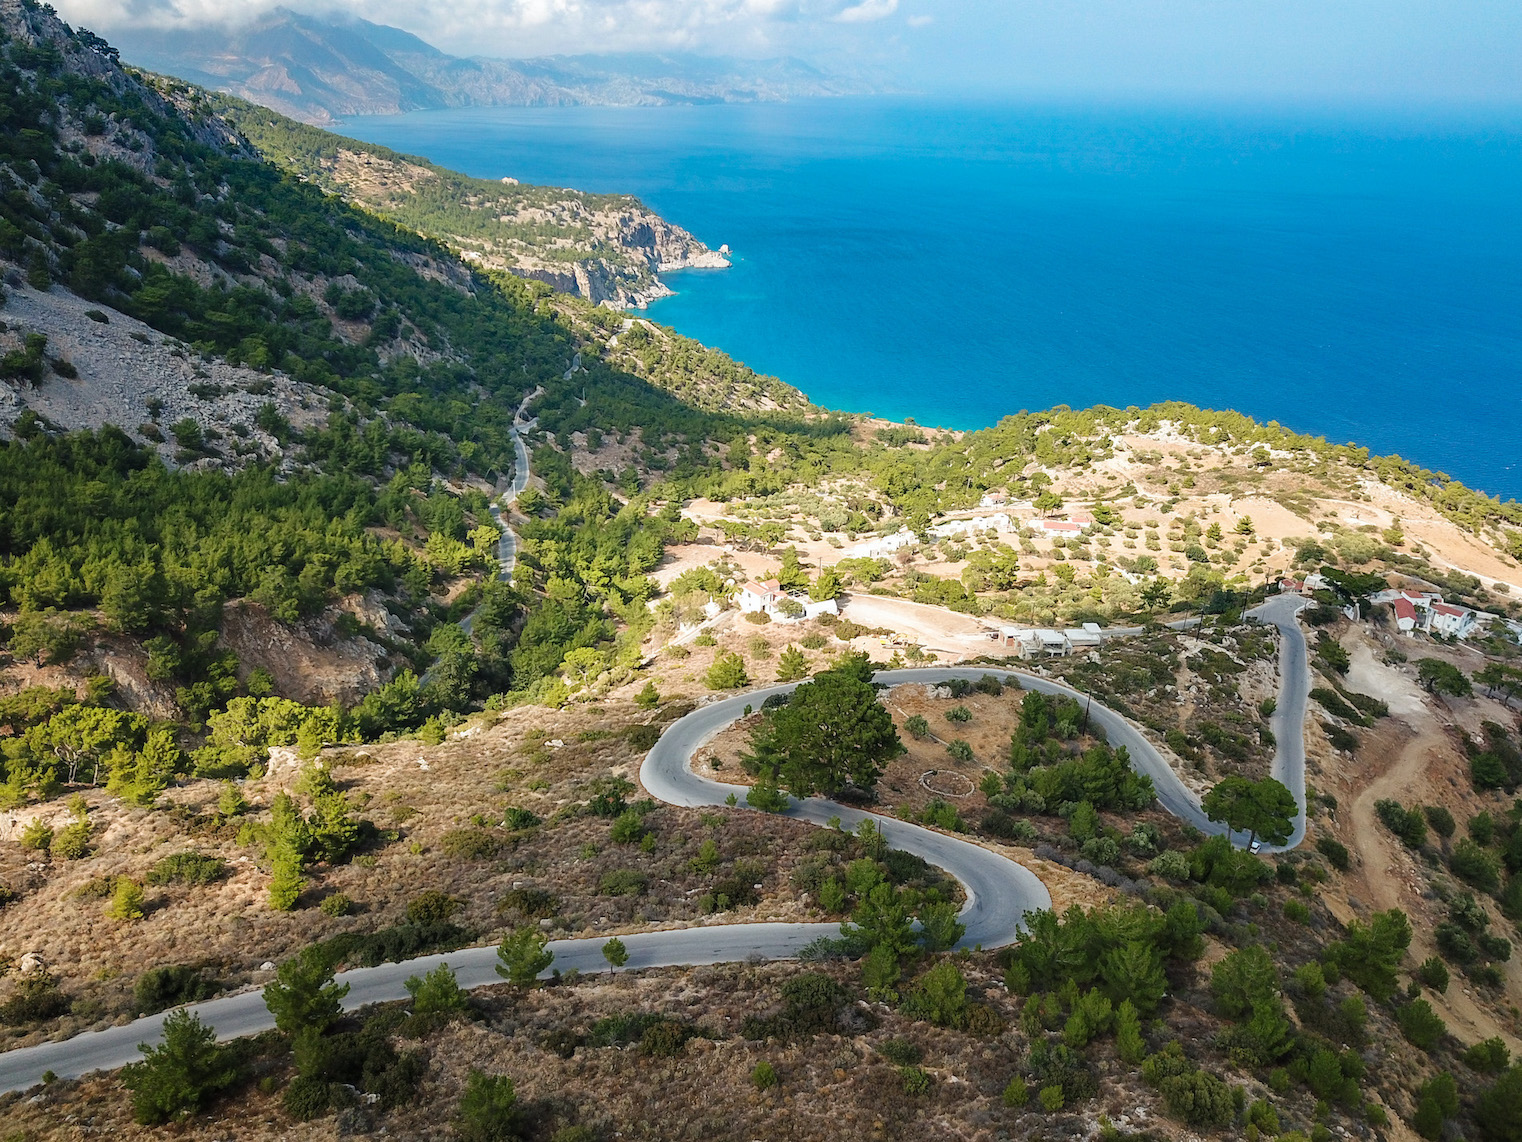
pixel 1399 759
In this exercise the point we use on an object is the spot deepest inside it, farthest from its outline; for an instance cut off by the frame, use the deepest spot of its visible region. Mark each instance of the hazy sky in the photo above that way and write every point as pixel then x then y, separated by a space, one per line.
pixel 1385 50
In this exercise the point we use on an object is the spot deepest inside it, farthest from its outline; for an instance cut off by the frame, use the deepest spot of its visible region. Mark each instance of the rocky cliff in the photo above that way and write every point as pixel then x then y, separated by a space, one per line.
pixel 607 248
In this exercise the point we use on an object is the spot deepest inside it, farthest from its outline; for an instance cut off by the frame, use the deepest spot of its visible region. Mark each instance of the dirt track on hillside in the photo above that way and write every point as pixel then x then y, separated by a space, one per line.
pixel 1399 759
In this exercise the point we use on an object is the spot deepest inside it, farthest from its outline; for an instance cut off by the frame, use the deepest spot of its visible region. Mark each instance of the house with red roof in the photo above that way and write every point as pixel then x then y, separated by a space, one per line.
pixel 1064 527
pixel 1405 615
pixel 759 596
pixel 1451 621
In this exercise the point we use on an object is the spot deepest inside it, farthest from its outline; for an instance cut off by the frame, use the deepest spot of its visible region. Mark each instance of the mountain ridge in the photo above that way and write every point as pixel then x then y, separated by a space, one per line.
pixel 321 70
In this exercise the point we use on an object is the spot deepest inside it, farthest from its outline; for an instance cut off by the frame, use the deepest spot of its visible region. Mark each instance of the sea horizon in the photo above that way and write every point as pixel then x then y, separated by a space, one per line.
pixel 1353 273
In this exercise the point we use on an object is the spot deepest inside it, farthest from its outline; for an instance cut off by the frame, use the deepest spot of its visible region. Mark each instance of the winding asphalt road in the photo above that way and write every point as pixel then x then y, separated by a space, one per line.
pixel 999 891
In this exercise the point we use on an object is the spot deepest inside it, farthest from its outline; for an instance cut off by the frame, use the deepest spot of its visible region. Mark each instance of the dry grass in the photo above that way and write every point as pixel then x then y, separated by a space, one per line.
pixel 831 1087
pixel 228 928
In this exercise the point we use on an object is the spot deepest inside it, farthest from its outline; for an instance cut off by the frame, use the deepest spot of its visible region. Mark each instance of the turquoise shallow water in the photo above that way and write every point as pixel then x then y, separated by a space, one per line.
pixel 1355 276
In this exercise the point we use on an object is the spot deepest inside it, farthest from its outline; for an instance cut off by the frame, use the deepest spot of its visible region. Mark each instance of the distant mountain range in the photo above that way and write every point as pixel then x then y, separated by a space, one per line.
pixel 322 69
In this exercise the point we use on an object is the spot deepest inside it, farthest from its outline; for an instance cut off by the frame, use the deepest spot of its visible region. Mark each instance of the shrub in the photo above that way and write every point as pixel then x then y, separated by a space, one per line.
pixel 665 1038
pixel 1199 1098
pixel 35 999
pixel 629 828
pixel 437 993
pixel 940 996
pixel 959 750
pixel 1169 865
pixel 1475 865
pixel 900 1051
pixel 766 798
pixel 1052 1099
pixel 812 1003
pixel 917 726
pixel 1455 943
pixel 763 1076
pixel 1017 1093
pixel 306 1098
pixel 1441 820
pixel 488 1110
pixel 127 901
pixel 37 836
pixel 915 1080
pixel 470 844
pixel 530 903
pixel 336 904
pixel 170 986
pixel 1335 852
pixel 1434 973
pixel 959 714
pixel 1489 1056
pixel 175 1077
pixel 727 672
pixel 1494 947
pixel 523 956
pixel 188 867
pixel 1297 910
pixel 432 907
pixel 1311 980
pixel 1407 824
pixel 623 882
pixel 517 817
pixel 1420 1024
pixel 72 842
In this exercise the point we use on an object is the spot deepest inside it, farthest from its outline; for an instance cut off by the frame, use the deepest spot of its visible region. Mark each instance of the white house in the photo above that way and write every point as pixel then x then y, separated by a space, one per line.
pixel 1084 637
pixel 1037 642
pixel 1425 611
pixel 769 597
pixel 999 522
pixel 813 608
pixel 1451 621
pixel 882 545
pixel 1421 600
pixel 761 596
pixel 1406 619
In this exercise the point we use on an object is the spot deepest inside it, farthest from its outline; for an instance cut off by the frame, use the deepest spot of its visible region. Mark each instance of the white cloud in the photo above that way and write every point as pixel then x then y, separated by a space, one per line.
pixel 920 21
pixel 867 11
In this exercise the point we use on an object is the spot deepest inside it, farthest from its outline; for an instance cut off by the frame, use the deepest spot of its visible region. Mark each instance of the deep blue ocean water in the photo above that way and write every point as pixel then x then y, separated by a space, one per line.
pixel 1356 275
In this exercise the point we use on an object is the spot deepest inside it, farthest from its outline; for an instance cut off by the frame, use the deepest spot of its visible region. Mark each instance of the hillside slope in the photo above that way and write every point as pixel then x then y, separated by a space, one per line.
pixel 601 247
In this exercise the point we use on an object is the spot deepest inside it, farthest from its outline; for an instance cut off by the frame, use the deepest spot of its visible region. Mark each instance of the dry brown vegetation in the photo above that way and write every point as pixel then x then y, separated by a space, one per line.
pixel 440 828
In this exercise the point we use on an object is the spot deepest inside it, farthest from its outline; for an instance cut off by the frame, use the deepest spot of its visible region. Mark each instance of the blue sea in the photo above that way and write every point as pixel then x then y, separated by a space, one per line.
pixel 1355 275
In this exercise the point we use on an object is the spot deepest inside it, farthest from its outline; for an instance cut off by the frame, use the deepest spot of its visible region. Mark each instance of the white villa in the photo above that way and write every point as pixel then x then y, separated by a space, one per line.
pixel 998 522
pixel 1426 611
pixel 768 596
pixel 1045 642
pixel 882 545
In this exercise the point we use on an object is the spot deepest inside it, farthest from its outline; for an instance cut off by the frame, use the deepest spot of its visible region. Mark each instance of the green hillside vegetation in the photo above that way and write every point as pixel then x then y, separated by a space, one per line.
pixel 465 211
